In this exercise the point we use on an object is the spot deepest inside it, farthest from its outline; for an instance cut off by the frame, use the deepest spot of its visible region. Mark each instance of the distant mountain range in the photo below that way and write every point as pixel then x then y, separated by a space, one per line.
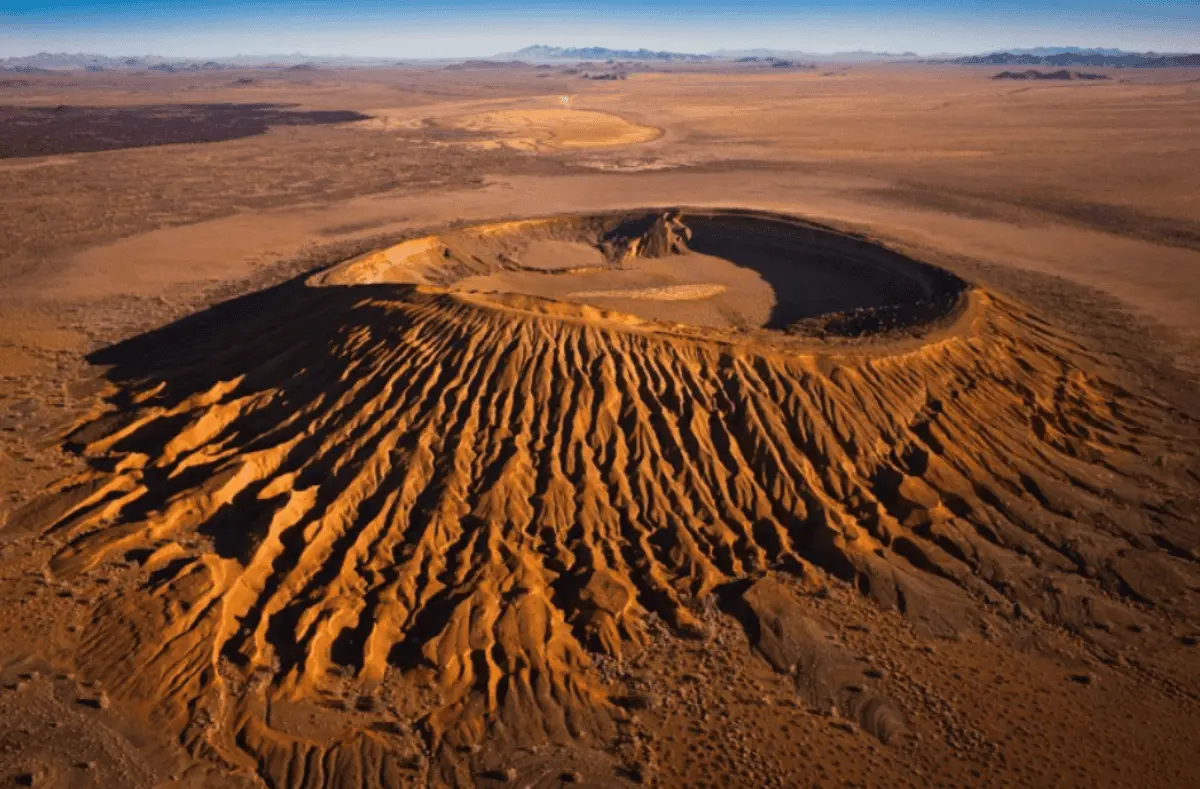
pixel 1038 56
pixel 50 62
pixel 1044 51
pixel 858 55
pixel 1081 58
pixel 543 52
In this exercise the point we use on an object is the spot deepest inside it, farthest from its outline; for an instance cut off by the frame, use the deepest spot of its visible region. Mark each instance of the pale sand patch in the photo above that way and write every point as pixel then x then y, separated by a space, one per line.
pixel 389 120
pixel 555 128
pixel 49 161
pixel 554 255
pixel 691 292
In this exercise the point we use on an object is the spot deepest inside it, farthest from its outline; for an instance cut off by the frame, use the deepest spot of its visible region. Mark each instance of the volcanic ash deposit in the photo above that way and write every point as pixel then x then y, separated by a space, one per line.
pixel 451 476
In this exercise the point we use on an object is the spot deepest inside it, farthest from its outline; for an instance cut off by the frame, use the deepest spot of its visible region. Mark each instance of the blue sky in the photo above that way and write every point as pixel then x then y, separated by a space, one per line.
pixel 422 28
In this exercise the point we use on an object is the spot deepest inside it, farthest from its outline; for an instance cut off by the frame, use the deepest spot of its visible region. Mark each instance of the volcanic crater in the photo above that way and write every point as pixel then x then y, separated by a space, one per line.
pixel 459 475
pixel 721 269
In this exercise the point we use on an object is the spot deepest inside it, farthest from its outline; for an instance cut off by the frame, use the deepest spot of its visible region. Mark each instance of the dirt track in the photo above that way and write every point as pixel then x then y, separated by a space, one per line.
pixel 459 525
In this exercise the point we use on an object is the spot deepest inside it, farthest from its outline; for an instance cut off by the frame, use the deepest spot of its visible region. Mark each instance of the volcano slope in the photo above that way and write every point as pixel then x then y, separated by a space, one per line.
pixel 418 509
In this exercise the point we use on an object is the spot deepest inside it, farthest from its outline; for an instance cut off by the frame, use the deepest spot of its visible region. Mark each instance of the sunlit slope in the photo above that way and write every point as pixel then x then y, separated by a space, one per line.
pixel 456 504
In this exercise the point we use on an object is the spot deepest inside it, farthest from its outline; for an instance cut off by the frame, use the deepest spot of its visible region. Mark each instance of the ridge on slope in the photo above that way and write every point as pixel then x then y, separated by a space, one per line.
pixel 461 506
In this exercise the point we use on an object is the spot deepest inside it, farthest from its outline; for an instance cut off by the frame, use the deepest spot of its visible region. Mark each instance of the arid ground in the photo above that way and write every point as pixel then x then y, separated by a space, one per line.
pixel 712 427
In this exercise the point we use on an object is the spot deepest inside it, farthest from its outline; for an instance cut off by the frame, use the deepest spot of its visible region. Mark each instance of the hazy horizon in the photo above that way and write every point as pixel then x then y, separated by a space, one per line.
pixel 423 29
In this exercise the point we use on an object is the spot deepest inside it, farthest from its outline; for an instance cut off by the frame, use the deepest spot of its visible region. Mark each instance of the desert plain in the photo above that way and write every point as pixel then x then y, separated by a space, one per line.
pixel 491 426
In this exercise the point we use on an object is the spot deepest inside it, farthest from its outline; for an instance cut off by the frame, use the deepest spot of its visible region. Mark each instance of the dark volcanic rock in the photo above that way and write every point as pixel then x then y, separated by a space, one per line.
pixel 1061 74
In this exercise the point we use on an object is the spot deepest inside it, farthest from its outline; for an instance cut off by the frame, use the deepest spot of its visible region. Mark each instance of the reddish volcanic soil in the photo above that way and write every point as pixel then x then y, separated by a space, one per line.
pixel 734 429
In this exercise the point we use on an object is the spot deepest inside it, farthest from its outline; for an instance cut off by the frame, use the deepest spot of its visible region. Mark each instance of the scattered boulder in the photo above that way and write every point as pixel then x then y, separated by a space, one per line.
pixel 99 702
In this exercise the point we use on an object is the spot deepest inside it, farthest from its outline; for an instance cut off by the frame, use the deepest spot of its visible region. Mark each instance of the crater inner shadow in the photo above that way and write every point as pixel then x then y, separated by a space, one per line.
pixel 816 272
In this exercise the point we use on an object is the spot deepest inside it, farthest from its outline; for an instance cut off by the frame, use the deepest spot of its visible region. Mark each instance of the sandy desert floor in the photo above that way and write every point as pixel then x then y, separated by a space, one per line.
pixel 714 428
